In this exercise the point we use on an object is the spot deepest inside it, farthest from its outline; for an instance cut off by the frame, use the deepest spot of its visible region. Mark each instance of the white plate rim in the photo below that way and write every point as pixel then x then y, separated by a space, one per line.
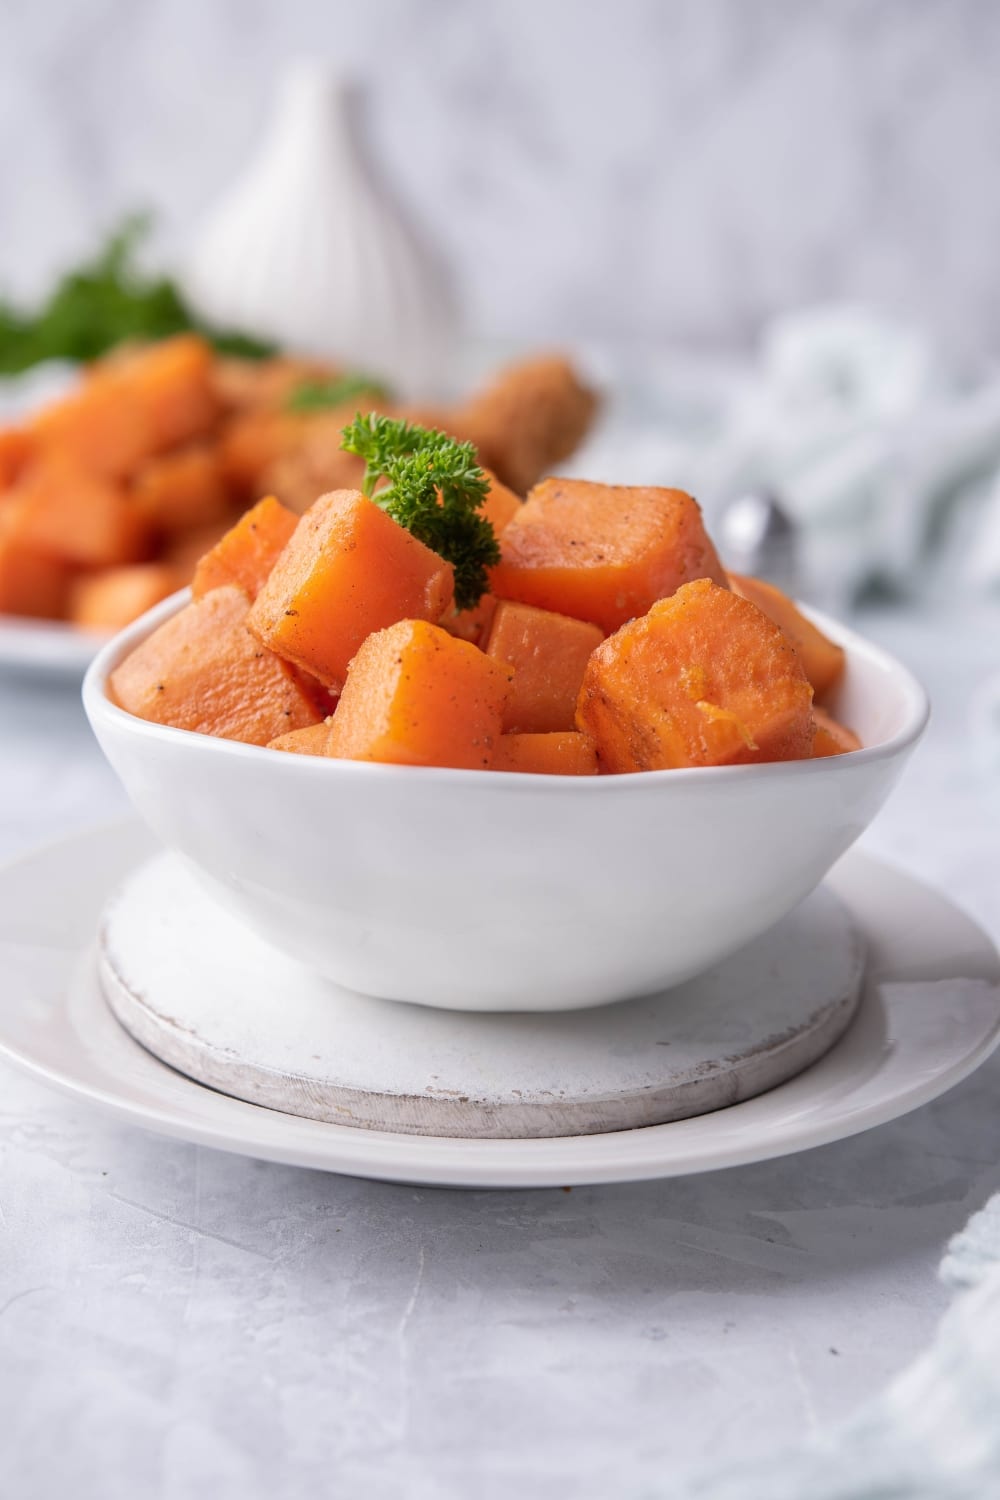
pixel 184 1110
pixel 49 648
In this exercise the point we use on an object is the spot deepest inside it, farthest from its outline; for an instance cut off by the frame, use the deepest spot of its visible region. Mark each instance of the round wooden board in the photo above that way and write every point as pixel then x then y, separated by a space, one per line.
pixel 203 994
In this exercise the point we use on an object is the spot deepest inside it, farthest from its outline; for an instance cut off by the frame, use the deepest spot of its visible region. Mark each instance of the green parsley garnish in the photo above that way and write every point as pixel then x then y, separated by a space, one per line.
pixel 316 395
pixel 433 485
pixel 105 302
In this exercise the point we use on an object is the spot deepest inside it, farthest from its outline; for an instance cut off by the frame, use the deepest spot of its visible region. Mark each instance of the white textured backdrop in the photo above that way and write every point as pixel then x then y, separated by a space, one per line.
pixel 647 168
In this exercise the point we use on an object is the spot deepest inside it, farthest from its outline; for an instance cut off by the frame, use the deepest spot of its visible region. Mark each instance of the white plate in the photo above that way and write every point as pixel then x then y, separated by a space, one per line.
pixel 929 1016
pixel 47 648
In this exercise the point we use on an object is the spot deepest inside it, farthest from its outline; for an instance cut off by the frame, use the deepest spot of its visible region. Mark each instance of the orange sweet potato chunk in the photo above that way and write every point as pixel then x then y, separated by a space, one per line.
pixel 310 741
pixel 471 624
pixel 501 504
pixel 59 509
pixel 704 679
pixel 173 384
pixel 832 738
pixel 567 754
pixel 417 696
pixel 16 446
pixel 347 571
pixel 180 491
pixel 251 444
pixel 186 550
pixel 113 597
pixel 31 583
pixel 822 659
pixel 602 552
pixel 248 551
pixel 100 429
pixel 548 653
pixel 203 670
pixel 133 406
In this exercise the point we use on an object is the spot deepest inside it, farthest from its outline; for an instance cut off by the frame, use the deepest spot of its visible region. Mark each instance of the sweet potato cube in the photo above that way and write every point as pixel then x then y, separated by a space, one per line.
pixel 248 551
pixel 100 429
pixel 113 597
pixel 31 583
pixel 16 447
pixel 250 444
pixel 832 738
pixel 567 754
pixel 186 550
pixel 602 552
pixel 704 679
pixel 347 571
pixel 548 653
pixel 183 490
pixel 173 384
pixel 203 670
pixel 822 659
pixel 417 696
pixel 471 624
pixel 501 504
pixel 60 509
pixel 310 741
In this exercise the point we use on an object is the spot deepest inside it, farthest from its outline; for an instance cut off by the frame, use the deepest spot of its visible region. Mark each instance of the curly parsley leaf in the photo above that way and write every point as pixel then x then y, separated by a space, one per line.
pixel 104 302
pixel 317 395
pixel 433 485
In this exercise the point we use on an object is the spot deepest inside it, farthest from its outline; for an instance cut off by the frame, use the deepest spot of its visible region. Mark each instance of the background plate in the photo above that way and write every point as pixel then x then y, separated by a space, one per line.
pixel 46 648
pixel 929 1015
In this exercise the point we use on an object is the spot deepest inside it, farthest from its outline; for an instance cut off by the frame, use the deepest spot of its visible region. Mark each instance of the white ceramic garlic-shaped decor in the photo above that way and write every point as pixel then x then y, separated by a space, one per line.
pixel 309 250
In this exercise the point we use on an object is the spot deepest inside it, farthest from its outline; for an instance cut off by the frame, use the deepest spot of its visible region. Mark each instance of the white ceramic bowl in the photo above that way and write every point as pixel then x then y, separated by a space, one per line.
pixel 494 891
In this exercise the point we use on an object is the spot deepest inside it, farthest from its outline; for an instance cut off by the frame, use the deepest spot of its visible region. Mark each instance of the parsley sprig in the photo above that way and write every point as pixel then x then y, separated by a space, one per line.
pixel 317 395
pixel 433 485
pixel 105 301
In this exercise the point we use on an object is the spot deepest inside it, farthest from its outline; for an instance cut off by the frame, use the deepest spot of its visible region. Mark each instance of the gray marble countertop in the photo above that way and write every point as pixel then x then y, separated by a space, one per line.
pixel 175 1321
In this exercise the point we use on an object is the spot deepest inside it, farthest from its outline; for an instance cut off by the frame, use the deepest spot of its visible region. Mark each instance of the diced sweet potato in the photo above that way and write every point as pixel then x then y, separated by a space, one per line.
pixel 417 696
pixel 248 551
pixel 567 754
pixel 173 384
pixel 501 504
pixel 822 659
pixel 347 571
pixel 203 670
pixel 320 696
pixel 180 491
pixel 548 653
pixel 832 738
pixel 59 509
pixel 186 550
pixel 101 429
pixel 531 416
pixel 704 679
pixel 113 597
pixel 252 443
pixel 31 583
pixel 16 447
pixel 602 552
pixel 310 741
pixel 471 624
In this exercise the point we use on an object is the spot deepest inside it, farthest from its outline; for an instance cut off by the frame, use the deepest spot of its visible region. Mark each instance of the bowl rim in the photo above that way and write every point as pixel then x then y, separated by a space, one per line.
pixel 99 706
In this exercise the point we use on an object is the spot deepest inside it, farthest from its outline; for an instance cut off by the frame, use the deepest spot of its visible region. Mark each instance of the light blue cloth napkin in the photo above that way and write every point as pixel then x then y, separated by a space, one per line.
pixel 885 454
pixel 934 1434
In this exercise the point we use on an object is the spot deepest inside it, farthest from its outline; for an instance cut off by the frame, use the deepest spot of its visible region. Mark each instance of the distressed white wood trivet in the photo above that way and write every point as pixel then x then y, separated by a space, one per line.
pixel 205 995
